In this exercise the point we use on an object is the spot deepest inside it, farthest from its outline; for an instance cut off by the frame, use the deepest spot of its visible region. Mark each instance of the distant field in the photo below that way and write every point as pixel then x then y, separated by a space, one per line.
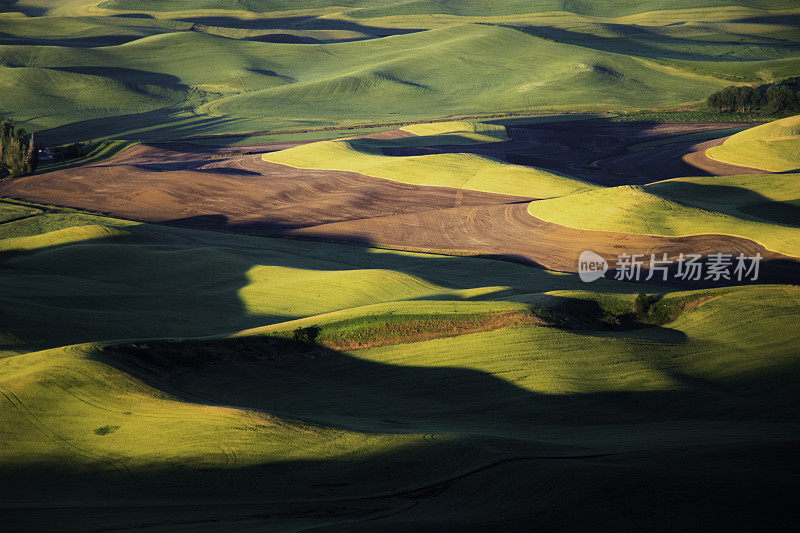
pixel 153 70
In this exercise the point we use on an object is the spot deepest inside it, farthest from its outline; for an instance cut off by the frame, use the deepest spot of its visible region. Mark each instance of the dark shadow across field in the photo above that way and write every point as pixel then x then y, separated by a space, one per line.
pixel 130 76
pixel 75 42
pixel 695 487
pixel 595 150
pixel 12 6
pixel 641 41
pixel 297 23
pixel 493 455
pixel 160 124
pixel 752 206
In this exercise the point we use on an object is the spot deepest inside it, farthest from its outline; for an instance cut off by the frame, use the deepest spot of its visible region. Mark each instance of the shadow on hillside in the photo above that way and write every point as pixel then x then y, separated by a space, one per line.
pixel 159 124
pixel 745 203
pixel 132 16
pixel 298 23
pixel 434 485
pixel 288 38
pixel 594 150
pixel 641 41
pixel 480 449
pixel 145 283
pixel 130 76
pixel 13 6
pixel 475 422
pixel 74 42
pixel 308 382
pixel 786 19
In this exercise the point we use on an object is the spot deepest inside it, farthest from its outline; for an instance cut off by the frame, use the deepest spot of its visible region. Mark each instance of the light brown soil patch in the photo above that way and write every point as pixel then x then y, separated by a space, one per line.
pixel 201 187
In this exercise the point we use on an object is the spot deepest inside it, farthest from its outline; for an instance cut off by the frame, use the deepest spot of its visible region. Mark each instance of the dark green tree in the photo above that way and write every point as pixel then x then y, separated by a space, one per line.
pixel 780 98
pixel 18 153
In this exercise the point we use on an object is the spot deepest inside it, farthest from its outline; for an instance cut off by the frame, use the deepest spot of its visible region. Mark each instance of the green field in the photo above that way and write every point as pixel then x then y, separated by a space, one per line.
pixel 161 378
pixel 158 70
pixel 758 207
pixel 774 146
pixel 263 426
pixel 460 171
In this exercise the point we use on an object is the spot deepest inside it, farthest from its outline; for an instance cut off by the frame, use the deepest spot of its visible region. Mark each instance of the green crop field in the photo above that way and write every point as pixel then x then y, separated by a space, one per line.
pixel 756 207
pixel 256 423
pixel 315 266
pixel 139 70
pixel 461 171
pixel 774 146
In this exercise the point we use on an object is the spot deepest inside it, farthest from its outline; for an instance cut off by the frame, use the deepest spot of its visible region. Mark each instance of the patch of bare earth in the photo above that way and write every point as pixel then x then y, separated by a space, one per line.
pixel 207 188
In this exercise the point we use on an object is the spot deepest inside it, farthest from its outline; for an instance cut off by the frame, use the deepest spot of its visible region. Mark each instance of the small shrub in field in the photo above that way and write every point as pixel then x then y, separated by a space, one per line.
pixel 306 335
pixel 640 305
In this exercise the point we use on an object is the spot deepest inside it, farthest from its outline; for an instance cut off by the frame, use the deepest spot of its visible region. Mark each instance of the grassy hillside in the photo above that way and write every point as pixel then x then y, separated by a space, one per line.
pixel 774 146
pixel 301 384
pixel 162 378
pixel 75 69
pixel 72 277
pixel 152 424
pixel 461 171
pixel 757 207
pixel 457 132
pixel 374 8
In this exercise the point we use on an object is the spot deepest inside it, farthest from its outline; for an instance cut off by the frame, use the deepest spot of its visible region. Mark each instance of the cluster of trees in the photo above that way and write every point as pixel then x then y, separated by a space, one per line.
pixel 18 153
pixel 70 151
pixel 781 97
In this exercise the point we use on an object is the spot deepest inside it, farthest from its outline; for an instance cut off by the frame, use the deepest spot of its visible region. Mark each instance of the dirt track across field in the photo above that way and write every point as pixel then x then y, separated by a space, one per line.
pixel 208 188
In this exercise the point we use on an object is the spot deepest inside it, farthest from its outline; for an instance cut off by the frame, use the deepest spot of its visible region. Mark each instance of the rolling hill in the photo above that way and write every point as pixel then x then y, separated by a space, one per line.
pixel 520 387
pixel 774 146
pixel 77 69
pixel 757 207
pixel 323 276
pixel 460 171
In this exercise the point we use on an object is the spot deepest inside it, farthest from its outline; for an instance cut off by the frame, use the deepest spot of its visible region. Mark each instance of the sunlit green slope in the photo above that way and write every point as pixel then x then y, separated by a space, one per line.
pixel 71 277
pixel 199 70
pixel 763 208
pixel 292 432
pixel 774 146
pixel 462 171
pixel 151 70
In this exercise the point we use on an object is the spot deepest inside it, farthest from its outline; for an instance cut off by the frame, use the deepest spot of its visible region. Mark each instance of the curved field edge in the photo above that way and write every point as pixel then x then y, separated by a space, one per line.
pixel 461 171
pixel 687 206
pixel 117 391
pixel 101 152
pixel 774 147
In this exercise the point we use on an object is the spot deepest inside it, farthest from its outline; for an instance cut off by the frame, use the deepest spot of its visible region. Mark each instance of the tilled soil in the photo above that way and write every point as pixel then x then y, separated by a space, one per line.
pixel 235 190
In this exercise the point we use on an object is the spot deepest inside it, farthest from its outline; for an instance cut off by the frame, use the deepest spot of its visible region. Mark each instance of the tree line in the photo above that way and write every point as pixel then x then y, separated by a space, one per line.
pixel 18 153
pixel 773 98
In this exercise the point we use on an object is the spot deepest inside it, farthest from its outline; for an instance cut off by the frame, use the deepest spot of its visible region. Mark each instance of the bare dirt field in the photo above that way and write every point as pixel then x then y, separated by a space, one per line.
pixel 223 189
